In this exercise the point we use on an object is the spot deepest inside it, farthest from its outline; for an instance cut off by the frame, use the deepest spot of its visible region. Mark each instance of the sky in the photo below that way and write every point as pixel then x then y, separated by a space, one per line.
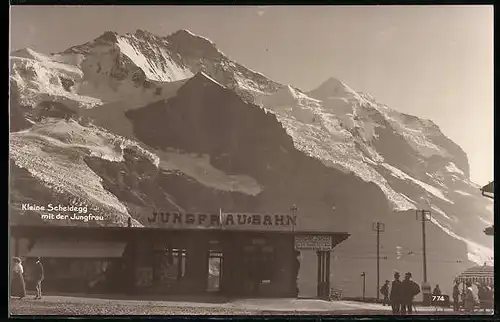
pixel 435 62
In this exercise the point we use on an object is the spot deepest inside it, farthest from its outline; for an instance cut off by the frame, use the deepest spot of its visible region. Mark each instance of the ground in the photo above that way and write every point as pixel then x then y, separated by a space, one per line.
pixel 102 305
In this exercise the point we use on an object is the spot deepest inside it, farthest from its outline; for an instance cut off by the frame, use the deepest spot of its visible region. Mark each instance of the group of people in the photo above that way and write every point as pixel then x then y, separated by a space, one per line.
pixel 470 299
pixel 485 296
pixel 18 285
pixel 401 294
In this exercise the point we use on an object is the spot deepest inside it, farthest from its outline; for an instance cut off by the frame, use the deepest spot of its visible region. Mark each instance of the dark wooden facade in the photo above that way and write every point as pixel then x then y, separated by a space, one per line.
pixel 176 261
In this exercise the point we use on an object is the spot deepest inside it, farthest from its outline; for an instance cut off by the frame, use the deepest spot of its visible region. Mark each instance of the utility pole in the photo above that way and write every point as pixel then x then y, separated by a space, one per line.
pixel 364 284
pixel 425 215
pixel 294 209
pixel 378 227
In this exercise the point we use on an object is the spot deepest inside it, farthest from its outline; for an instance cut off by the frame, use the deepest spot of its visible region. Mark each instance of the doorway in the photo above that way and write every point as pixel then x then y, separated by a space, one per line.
pixel 323 274
pixel 215 259
pixel 257 269
pixel 168 268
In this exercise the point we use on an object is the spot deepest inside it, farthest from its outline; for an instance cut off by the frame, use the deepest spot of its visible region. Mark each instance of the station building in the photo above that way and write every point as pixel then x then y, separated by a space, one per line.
pixel 233 255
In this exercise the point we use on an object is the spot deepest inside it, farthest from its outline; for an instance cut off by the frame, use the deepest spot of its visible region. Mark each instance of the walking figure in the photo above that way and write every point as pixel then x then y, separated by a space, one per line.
pixel 17 284
pixel 456 296
pixel 395 294
pixel 471 298
pixel 384 290
pixel 39 275
pixel 408 291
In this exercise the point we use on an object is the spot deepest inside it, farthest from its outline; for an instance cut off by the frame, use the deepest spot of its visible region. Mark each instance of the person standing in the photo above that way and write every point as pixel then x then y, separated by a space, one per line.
pixel 489 297
pixel 481 294
pixel 408 291
pixel 39 275
pixel 395 294
pixel 456 296
pixel 470 298
pixel 384 290
pixel 17 286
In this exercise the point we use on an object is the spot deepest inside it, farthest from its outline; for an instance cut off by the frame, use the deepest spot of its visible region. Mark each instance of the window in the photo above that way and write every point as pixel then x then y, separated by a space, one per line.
pixel 169 265
pixel 214 270
pixel 179 260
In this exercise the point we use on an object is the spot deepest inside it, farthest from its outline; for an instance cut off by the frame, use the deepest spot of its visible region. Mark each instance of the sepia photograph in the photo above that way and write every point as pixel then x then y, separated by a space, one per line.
pixel 251 160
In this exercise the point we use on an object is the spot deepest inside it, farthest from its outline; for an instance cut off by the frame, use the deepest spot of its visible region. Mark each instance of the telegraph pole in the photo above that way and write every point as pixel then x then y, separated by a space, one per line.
pixel 425 215
pixel 294 209
pixel 378 227
pixel 423 246
pixel 378 264
pixel 364 284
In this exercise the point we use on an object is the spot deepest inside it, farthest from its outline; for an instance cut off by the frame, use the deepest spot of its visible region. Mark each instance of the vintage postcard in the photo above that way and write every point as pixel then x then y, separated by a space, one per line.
pixel 251 160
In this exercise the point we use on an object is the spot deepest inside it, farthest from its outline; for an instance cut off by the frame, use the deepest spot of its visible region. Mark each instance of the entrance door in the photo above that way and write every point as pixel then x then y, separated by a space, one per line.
pixel 323 274
pixel 169 266
pixel 258 266
pixel 215 259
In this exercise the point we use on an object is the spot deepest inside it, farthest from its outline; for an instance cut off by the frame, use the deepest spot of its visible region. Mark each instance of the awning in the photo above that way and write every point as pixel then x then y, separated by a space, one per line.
pixel 52 248
pixel 479 274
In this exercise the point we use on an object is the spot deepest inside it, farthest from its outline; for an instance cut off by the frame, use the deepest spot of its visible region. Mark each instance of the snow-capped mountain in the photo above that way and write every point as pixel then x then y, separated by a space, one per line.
pixel 104 123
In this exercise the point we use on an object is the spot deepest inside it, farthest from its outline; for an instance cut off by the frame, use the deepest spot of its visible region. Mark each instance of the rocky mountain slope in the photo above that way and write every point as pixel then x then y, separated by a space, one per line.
pixel 134 123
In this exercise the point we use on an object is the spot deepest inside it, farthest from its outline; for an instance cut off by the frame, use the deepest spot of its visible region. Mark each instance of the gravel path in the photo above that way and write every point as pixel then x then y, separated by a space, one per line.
pixel 30 306
pixel 78 306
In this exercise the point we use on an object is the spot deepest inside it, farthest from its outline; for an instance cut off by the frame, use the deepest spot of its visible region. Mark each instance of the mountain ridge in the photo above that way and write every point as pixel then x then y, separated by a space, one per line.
pixel 101 94
pixel 113 37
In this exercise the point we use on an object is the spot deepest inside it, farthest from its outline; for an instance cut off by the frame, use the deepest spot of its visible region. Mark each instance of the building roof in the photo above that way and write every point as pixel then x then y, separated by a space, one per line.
pixel 112 235
pixel 488 188
pixel 484 273
pixel 103 229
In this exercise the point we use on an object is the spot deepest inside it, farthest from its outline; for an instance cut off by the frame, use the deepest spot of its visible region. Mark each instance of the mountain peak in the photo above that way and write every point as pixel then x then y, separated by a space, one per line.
pixel 186 32
pixel 331 87
pixel 144 34
pixel 185 36
pixel 108 36
pixel 332 81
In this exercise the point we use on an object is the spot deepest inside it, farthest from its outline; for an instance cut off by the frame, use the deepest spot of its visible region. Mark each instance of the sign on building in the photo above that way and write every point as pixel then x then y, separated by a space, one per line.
pixel 227 221
pixel 313 242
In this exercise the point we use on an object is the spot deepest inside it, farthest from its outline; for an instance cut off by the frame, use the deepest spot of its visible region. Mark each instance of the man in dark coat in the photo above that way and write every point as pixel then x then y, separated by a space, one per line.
pixel 384 290
pixel 408 291
pixel 456 296
pixel 39 275
pixel 395 296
